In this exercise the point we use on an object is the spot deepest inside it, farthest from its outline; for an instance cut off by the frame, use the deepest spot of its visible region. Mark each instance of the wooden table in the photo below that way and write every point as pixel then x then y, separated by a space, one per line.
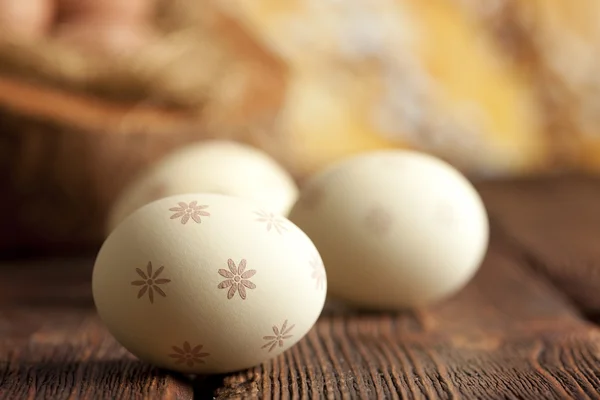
pixel 524 328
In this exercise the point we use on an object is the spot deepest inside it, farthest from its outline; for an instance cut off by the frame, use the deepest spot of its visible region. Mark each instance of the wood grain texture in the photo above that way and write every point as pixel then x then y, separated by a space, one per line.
pixel 53 346
pixel 513 333
pixel 509 334
pixel 555 223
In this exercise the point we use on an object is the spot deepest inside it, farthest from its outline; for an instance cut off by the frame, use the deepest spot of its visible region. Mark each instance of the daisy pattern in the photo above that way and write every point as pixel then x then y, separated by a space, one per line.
pixel 150 282
pixel 237 279
pixel 188 355
pixel 378 221
pixel 318 271
pixel 272 221
pixel 186 211
pixel 279 336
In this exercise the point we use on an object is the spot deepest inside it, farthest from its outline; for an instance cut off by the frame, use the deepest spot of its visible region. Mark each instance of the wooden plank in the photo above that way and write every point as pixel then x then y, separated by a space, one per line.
pixel 555 222
pixel 53 346
pixel 509 334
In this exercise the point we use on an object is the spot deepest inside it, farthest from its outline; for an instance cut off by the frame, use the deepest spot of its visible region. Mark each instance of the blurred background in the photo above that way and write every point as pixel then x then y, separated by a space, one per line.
pixel 94 91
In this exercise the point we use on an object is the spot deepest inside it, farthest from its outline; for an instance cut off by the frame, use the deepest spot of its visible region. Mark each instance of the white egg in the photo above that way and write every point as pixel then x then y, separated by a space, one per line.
pixel 206 283
pixel 395 229
pixel 222 167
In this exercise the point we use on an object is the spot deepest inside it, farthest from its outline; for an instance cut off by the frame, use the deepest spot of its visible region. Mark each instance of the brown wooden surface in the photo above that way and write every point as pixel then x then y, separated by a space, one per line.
pixel 519 330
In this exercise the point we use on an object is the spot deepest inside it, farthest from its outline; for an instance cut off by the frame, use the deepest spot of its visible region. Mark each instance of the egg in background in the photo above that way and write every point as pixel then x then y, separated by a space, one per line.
pixel 223 167
pixel 206 283
pixel 26 20
pixel 395 229
pixel 105 36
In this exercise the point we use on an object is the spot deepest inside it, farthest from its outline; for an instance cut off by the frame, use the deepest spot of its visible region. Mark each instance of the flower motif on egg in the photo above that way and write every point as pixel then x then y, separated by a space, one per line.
pixel 378 221
pixel 237 279
pixel 318 271
pixel 272 221
pixel 188 355
pixel 150 282
pixel 186 211
pixel 280 334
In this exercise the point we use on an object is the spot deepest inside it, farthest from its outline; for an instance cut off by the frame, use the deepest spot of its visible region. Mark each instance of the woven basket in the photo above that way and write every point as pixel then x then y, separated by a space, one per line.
pixel 75 128
pixel 492 90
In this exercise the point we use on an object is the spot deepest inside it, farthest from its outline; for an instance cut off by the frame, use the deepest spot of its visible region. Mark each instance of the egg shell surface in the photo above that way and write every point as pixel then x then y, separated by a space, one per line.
pixel 26 19
pixel 395 229
pixel 214 166
pixel 207 283
pixel 104 36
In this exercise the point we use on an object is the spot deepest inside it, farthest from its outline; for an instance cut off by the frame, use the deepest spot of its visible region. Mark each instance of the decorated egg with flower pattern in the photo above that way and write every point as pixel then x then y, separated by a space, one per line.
pixel 208 283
